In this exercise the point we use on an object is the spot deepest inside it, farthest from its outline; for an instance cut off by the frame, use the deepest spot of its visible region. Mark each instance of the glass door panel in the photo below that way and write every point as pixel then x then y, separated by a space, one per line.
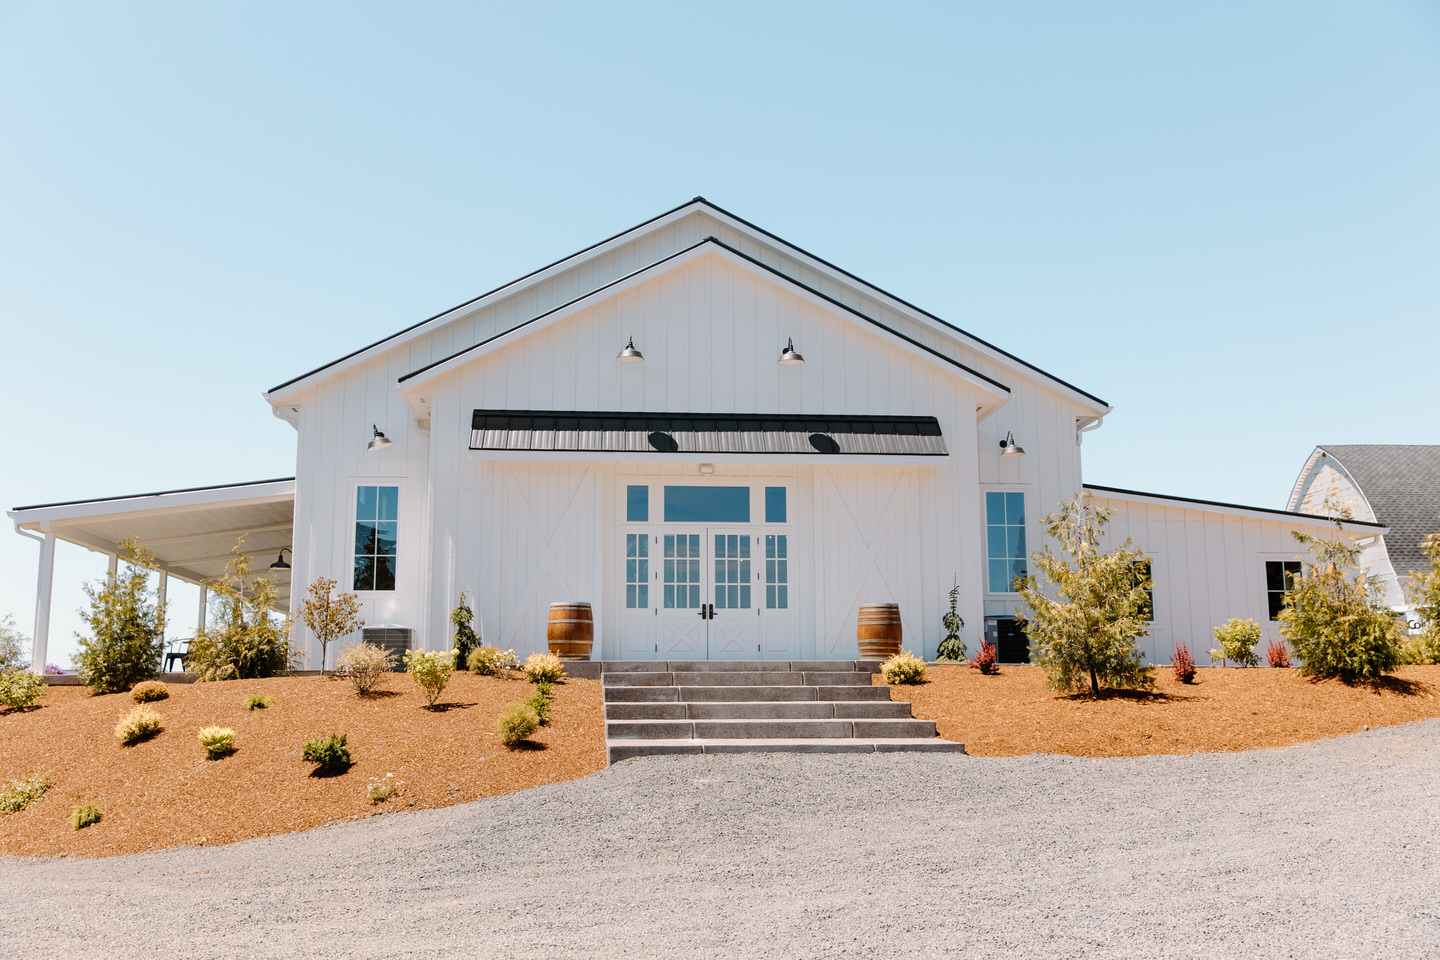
pixel 682 571
pixel 732 571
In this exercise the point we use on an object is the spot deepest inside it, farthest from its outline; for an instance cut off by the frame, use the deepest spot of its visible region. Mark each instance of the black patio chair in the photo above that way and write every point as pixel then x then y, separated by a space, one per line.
pixel 179 650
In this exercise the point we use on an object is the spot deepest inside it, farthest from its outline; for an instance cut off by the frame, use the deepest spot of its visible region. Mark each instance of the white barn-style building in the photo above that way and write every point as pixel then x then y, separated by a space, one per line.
pixel 722 442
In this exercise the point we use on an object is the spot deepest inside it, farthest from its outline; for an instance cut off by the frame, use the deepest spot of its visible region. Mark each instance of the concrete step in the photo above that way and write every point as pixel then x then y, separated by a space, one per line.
pixel 625 749
pixel 759 710
pixel 768 729
pixel 741 666
pixel 648 694
pixel 736 678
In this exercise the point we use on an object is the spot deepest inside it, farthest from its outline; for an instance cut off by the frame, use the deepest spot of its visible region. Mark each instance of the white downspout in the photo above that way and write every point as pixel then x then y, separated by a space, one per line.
pixel 1080 433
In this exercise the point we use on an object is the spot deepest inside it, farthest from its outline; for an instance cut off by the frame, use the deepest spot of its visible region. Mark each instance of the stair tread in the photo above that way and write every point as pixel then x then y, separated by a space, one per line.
pixel 633 748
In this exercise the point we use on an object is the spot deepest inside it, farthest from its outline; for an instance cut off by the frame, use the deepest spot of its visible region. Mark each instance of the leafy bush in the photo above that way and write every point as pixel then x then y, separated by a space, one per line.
pixel 517 722
pixel 1277 654
pixel 366 666
pixel 84 815
pixel 1237 639
pixel 1083 627
pixel 986 659
pixel 1338 623
pixel 541 700
pixel 149 692
pixel 904 667
pixel 1184 665
pixel 465 639
pixel 219 742
pixel 1423 591
pixel 328 755
pixel 952 648
pixel 544 666
pixel 431 670
pixel 127 627
pixel 22 793
pixel 14 652
pixel 20 688
pixel 493 662
pixel 384 788
pixel 1421 650
pixel 139 724
pixel 259 702
pixel 241 639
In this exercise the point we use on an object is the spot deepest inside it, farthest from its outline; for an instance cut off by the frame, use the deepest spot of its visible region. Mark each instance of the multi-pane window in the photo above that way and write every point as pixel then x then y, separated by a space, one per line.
pixel 1144 580
pixel 377 513
pixel 682 571
pixel 732 571
pixel 777 573
pixel 1005 538
pixel 637 571
pixel 1280 577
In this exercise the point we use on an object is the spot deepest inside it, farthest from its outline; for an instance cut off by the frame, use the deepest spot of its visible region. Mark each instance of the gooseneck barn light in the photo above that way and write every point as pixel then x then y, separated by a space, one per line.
pixel 1009 448
pixel 630 354
pixel 280 563
pixel 379 441
pixel 789 357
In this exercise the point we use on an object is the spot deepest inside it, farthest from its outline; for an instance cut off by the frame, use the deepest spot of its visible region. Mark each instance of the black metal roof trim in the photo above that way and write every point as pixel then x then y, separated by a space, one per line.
pixel 154 493
pixel 561 431
pixel 749 259
pixel 1233 506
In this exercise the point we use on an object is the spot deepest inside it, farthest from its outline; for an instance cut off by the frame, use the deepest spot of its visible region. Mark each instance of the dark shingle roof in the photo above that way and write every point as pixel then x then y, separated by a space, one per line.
pixel 1402 484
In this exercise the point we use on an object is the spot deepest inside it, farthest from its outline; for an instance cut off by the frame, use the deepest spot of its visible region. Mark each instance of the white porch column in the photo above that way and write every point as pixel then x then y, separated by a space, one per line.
pixel 114 568
pixel 42 604
pixel 200 616
pixel 160 591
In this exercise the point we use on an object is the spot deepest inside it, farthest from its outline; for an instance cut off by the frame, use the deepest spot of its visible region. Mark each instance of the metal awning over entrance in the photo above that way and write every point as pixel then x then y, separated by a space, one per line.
pixel 189 531
pixel 745 436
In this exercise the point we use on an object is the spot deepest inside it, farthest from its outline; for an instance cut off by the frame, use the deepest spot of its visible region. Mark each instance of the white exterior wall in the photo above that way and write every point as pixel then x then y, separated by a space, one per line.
pixel 1325 481
pixel 1206 566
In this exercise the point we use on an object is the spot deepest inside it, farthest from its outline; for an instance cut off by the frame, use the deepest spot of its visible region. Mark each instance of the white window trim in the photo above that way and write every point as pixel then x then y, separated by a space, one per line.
pixel 1030 529
pixel 355 484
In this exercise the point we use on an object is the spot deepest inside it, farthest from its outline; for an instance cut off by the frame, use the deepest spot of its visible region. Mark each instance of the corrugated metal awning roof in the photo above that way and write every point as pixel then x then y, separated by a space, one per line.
pixel 719 433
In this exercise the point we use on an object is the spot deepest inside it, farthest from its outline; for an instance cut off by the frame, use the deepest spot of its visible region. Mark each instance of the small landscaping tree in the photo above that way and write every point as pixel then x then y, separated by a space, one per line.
pixel 1335 617
pixel 465 638
pixel 242 640
pixel 330 618
pixel 1085 635
pixel 952 648
pixel 127 626
pixel 1237 639
pixel 1424 593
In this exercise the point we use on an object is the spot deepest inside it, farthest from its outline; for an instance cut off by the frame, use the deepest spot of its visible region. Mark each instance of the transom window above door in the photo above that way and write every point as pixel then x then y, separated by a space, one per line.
pixel 705 503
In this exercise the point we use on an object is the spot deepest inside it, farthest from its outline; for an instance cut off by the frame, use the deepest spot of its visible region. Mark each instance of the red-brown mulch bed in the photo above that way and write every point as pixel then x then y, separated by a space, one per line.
pixel 164 792
pixel 1227 709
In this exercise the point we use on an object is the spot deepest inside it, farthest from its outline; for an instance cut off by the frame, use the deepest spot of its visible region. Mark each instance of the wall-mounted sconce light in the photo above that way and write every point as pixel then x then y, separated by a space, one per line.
pixel 630 354
pixel 1009 448
pixel 379 441
pixel 789 357
pixel 280 563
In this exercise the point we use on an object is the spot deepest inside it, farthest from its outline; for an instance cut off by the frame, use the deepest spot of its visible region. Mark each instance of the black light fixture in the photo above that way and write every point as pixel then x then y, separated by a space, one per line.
pixel 1009 448
pixel 630 354
pixel 379 441
pixel 789 357
pixel 280 563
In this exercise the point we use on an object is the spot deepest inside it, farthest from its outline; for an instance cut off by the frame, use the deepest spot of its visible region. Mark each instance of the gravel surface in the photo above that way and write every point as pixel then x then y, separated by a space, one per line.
pixel 1323 850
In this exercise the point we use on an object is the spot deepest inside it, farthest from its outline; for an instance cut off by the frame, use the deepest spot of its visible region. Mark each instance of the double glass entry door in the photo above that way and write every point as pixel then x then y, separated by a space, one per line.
pixel 713 593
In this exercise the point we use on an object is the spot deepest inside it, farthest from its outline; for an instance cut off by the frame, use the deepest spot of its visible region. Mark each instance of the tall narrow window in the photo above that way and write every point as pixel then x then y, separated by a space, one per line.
pixel 777 574
pixel 1005 538
pixel 682 571
pixel 1143 573
pixel 377 514
pixel 1280 577
pixel 637 570
pixel 637 503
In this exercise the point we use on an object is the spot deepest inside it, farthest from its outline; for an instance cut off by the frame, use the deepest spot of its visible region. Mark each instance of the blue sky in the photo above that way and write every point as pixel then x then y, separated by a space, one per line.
pixel 1223 218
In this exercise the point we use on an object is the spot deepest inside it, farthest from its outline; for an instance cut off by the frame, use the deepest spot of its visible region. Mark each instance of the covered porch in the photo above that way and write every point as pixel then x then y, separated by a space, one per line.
pixel 189 531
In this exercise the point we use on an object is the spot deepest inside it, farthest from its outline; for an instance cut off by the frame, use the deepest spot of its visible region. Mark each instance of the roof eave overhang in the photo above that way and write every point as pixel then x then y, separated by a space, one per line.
pixel 601 456
pixel 41 516
pixel 1232 509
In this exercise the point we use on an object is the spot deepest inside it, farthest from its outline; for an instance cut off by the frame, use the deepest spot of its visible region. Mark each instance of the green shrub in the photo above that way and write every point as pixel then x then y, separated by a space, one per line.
pixel 544 666
pixel 1421 650
pixel 22 793
pixel 21 688
pixel 139 724
pixel 127 627
pixel 517 722
pixel 492 661
pixel 541 700
pixel 431 670
pixel 384 788
pixel 329 754
pixel 149 692
pixel 84 815
pixel 366 666
pixel 904 667
pixel 219 742
pixel 241 640
pixel 14 646
pixel 1237 639
pixel 465 639
pixel 259 702
pixel 952 648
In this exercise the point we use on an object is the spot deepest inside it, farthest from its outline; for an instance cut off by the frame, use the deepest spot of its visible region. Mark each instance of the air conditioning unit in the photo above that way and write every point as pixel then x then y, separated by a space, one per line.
pixel 392 637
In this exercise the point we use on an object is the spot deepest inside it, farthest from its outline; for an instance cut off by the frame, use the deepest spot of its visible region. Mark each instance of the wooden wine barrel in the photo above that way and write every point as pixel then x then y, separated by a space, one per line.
pixel 571 630
pixel 878 630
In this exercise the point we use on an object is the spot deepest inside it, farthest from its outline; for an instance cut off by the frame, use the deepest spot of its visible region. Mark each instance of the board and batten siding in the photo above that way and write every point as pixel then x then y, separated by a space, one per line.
pixel 1207 566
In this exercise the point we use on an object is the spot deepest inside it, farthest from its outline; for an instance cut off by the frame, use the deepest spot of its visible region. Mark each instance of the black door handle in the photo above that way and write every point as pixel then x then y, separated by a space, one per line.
pixel 707 611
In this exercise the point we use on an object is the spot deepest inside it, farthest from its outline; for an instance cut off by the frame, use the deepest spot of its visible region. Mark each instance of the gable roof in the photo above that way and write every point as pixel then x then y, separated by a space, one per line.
pixel 654 223
pixel 1220 506
pixel 1401 482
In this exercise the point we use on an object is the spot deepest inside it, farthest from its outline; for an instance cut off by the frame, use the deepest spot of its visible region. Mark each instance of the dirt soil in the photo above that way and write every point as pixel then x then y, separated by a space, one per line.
pixel 1226 709
pixel 164 792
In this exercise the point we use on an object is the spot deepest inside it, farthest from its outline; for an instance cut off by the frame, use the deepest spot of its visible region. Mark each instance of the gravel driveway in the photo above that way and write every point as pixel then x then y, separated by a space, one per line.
pixel 1323 850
